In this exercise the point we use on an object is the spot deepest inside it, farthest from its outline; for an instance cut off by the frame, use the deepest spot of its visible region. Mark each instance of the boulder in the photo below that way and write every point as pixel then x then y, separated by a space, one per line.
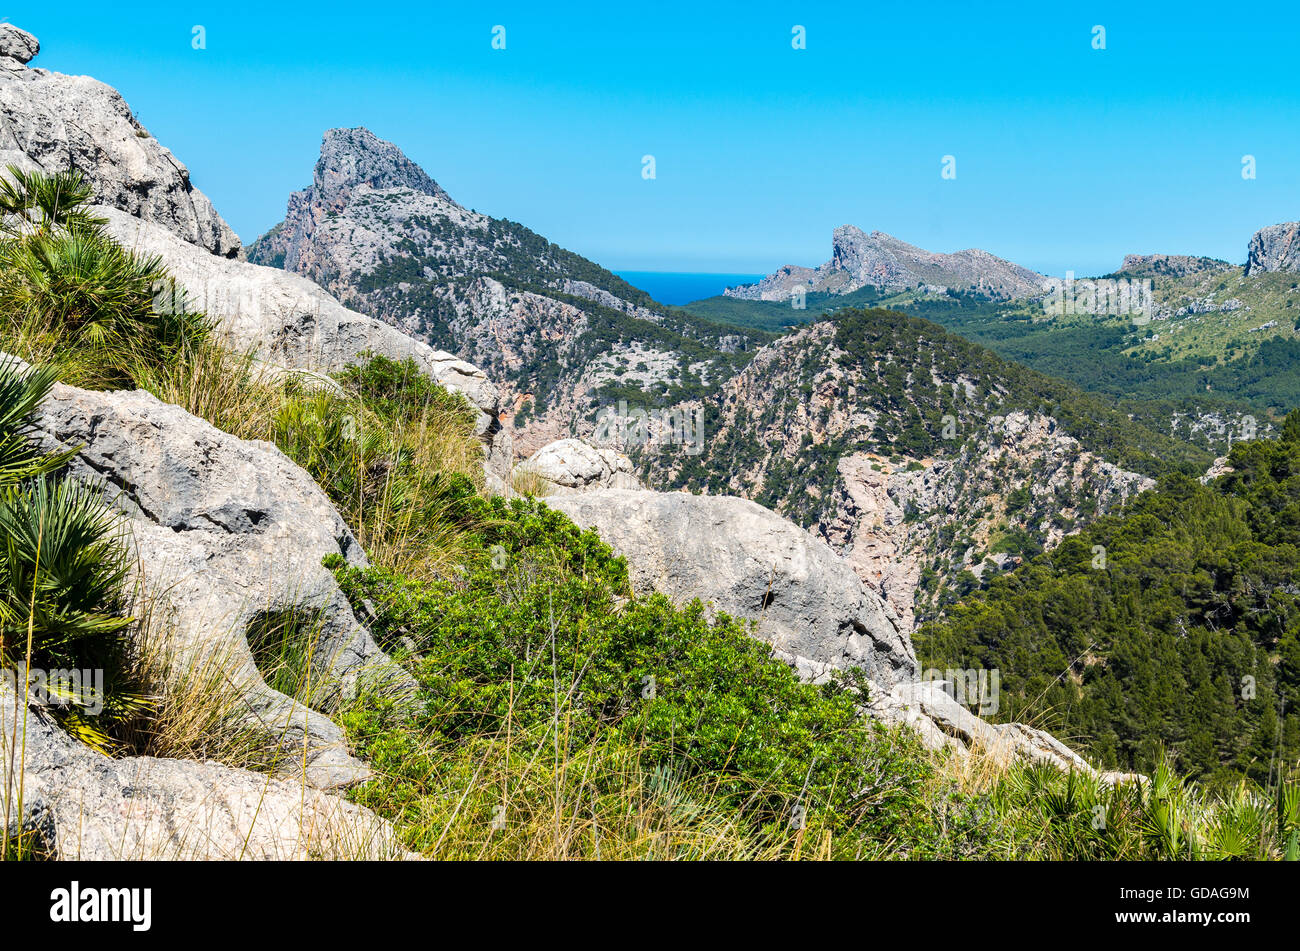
pixel 80 805
pixel 930 708
pixel 572 465
pixel 294 323
pixel 17 44
pixel 749 562
pixel 225 532
pixel 53 122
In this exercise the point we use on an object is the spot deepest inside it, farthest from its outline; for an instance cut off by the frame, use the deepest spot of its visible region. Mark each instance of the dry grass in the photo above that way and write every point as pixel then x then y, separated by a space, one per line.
pixel 528 482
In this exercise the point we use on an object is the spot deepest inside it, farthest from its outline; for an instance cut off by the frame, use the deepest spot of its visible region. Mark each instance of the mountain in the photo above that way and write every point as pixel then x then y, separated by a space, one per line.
pixel 884 262
pixel 915 453
pixel 828 425
pixel 562 336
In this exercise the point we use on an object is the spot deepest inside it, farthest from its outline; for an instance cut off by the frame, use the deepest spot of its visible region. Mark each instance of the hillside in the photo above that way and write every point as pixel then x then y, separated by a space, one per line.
pixel 917 453
pixel 1171 627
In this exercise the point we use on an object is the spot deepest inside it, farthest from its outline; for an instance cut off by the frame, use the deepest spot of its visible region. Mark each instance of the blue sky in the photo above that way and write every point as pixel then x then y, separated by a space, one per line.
pixel 1067 157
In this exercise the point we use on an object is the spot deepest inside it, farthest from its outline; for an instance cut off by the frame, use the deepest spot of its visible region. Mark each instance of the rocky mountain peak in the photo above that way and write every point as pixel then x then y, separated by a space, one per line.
pixel 18 45
pixel 353 157
pixel 1170 265
pixel 1275 248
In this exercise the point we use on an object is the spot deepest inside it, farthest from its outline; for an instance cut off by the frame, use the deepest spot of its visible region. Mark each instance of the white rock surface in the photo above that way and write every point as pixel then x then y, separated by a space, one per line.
pixel 750 563
pixel 226 532
pixel 572 465
pixel 293 323
pixel 54 122
pixel 83 806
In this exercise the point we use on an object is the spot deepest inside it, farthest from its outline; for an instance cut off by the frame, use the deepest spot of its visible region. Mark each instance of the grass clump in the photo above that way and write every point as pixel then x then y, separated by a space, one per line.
pixel 73 298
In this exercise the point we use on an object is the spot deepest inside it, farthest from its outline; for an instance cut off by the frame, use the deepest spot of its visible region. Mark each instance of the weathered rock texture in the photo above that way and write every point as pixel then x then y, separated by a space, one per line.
pixel 81 805
pixel 889 518
pixel 750 563
pixel 1275 248
pixel 53 122
pixel 226 532
pixel 293 323
pixel 880 260
pixel 571 465
pixel 930 708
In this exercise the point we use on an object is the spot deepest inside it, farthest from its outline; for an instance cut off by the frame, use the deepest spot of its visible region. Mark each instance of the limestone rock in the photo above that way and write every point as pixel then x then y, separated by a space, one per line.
pixel 54 122
pixel 226 532
pixel 571 465
pixel 750 563
pixel 296 324
pixel 1171 265
pixel 1275 248
pixel 880 260
pixel 81 805
pixel 17 44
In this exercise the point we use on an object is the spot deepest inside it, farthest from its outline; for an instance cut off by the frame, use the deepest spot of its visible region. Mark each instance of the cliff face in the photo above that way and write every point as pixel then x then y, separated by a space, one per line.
pixel 1276 248
pixel 880 260
pixel 915 465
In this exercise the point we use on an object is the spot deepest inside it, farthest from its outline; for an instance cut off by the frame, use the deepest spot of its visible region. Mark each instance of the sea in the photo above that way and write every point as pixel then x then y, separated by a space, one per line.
pixel 677 287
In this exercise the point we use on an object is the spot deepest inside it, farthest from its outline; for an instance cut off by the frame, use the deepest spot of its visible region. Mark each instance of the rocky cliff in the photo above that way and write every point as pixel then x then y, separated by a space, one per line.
pixel 1276 248
pixel 52 122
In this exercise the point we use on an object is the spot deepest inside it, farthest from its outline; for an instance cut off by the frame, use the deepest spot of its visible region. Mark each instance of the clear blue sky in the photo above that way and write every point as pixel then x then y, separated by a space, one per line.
pixel 1067 157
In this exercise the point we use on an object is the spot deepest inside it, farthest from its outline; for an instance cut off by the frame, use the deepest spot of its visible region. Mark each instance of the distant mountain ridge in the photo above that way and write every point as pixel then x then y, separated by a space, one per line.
pixel 880 260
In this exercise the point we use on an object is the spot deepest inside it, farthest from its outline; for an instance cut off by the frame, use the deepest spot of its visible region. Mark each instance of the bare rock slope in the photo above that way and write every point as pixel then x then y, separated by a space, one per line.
pixel 54 122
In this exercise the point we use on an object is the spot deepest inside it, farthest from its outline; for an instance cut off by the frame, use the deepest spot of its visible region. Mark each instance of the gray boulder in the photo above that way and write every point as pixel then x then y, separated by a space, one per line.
pixel 572 465
pixel 53 122
pixel 750 563
pixel 226 532
pixel 17 44
pixel 1275 248
pixel 295 324
pixel 80 805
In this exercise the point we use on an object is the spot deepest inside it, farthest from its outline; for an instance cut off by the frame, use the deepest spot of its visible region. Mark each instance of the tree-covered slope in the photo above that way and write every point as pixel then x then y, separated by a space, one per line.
pixel 1173 626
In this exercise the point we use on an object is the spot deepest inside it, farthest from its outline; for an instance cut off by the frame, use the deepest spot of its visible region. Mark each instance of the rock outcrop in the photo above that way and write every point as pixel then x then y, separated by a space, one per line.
pixel 295 324
pixel 1275 248
pixel 889 518
pixel 224 533
pixel 929 708
pixel 750 563
pixel 1171 265
pixel 53 122
pixel 880 260
pixel 80 805
pixel 571 465
pixel 17 45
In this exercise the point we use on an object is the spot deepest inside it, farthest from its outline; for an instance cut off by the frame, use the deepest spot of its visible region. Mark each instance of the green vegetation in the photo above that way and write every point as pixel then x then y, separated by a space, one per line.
pixel 555 715
pixel 62 571
pixel 1172 627
pixel 72 298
